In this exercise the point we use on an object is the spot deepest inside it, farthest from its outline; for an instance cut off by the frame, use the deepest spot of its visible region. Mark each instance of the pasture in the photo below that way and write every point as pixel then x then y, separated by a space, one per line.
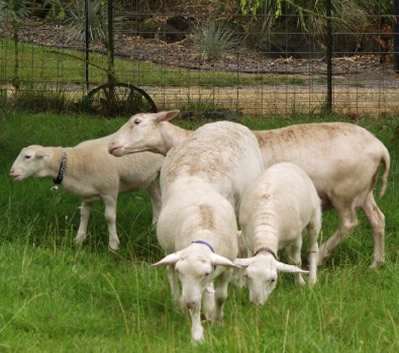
pixel 56 297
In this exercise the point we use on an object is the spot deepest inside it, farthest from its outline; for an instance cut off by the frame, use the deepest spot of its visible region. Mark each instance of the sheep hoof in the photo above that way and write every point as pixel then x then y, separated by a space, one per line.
pixel 377 265
pixel 198 337
pixel 79 239
pixel 113 245
pixel 300 282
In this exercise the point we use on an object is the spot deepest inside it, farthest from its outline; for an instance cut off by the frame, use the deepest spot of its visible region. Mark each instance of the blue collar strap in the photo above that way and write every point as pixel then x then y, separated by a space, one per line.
pixel 270 251
pixel 204 243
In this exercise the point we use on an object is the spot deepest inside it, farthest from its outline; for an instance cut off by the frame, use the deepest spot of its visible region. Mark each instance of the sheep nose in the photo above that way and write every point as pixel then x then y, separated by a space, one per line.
pixel 257 301
pixel 111 146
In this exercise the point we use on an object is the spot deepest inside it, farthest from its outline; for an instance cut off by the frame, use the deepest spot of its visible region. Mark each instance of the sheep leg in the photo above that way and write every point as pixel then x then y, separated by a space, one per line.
pixel 208 302
pixel 294 256
pixel 174 286
pixel 84 220
pixel 197 331
pixel 313 229
pixel 221 293
pixel 377 221
pixel 155 197
pixel 110 218
pixel 348 222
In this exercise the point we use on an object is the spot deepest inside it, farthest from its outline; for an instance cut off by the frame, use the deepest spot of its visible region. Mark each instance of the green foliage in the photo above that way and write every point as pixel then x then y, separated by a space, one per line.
pixel 13 12
pixel 351 17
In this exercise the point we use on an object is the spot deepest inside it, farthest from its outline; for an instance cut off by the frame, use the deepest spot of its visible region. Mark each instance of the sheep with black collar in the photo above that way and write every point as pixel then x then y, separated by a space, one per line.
pixel 91 173
pixel 274 211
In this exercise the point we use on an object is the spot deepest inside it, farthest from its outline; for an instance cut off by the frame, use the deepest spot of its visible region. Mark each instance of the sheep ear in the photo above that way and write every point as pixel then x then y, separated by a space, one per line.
pixel 244 262
pixel 222 261
pixel 41 153
pixel 170 259
pixel 166 116
pixel 282 267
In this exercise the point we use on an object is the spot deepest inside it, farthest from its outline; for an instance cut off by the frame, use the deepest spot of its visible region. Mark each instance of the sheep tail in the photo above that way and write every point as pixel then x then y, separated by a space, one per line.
pixel 386 160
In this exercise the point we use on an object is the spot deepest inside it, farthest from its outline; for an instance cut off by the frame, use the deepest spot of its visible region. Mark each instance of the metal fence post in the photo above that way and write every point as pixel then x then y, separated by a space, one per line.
pixel 395 34
pixel 329 53
pixel 110 49
pixel 87 40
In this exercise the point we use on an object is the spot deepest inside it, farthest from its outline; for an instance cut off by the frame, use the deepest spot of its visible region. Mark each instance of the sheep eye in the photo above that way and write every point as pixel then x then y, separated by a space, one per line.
pixel 272 280
pixel 27 156
pixel 207 274
pixel 136 121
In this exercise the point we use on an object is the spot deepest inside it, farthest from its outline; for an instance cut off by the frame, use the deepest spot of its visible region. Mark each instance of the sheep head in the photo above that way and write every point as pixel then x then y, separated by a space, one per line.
pixel 141 133
pixel 261 273
pixel 30 162
pixel 195 268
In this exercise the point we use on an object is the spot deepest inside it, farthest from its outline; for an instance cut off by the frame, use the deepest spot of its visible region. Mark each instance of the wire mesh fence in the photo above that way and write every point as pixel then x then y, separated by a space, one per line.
pixel 202 59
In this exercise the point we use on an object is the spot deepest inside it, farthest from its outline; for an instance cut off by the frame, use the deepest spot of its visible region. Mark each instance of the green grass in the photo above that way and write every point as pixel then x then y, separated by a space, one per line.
pixel 48 67
pixel 56 297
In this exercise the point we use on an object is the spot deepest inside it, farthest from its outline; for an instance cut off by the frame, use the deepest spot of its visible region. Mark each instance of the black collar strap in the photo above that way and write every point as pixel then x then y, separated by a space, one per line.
pixel 204 243
pixel 270 251
pixel 61 171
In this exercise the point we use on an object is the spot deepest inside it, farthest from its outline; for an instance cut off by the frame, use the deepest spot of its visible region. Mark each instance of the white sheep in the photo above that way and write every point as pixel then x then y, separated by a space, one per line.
pixel 202 181
pixel 342 159
pixel 91 173
pixel 274 212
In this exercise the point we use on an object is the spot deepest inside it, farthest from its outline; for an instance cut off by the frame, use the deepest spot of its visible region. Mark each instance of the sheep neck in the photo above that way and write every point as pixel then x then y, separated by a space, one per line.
pixel 267 250
pixel 203 242
pixel 61 170
pixel 172 136
pixel 266 234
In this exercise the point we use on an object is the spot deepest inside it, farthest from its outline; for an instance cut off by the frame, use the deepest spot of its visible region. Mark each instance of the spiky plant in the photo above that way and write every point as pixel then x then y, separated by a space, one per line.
pixel 216 38
pixel 97 16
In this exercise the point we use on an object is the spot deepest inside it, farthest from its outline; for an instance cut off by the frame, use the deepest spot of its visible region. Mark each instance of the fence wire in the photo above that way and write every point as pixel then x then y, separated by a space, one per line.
pixel 203 62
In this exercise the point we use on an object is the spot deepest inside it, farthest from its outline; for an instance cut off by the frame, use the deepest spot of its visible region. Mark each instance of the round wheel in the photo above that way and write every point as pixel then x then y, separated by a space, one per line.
pixel 113 99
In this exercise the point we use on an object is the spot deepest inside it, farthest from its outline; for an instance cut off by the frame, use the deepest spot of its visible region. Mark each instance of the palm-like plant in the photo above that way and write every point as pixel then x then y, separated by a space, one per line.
pixel 216 38
pixel 97 16
pixel 12 16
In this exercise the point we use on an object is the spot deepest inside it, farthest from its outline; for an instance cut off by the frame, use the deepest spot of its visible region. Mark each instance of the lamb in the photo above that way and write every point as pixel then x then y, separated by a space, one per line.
pixel 91 173
pixel 273 213
pixel 342 159
pixel 202 180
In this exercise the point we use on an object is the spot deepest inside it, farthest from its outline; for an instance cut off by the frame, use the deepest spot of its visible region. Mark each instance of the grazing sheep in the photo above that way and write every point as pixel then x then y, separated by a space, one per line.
pixel 91 173
pixel 273 213
pixel 342 160
pixel 202 181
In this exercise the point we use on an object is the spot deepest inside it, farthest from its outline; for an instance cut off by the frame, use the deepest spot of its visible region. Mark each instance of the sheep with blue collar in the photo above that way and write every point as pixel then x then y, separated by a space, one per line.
pixel 202 180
